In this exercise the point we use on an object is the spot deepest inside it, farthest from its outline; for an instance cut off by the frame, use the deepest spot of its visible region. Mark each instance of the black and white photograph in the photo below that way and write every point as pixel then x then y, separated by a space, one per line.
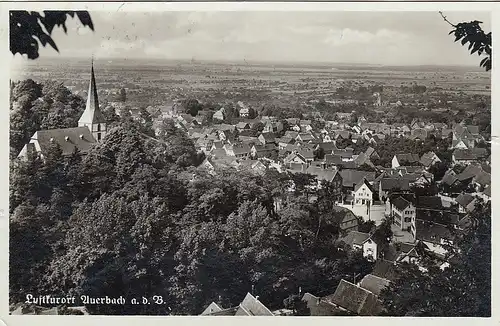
pixel 249 162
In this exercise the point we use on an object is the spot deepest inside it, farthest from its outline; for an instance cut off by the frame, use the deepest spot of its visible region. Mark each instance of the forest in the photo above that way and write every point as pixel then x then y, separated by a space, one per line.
pixel 136 216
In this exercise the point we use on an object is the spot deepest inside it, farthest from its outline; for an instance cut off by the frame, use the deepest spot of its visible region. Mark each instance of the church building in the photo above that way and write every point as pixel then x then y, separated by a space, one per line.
pixel 91 128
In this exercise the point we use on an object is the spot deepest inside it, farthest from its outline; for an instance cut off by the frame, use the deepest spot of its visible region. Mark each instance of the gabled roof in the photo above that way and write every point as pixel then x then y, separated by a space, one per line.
pixel 393 184
pixel 400 203
pixel 385 269
pixel 470 154
pixel 464 199
pixel 212 308
pixel 361 183
pixel 68 139
pixel 428 159
pixel 356 299
pixel 268 136
pixel 251 306
pixel 333 159
pixel 355 238
pixel 328 147
pixel 374 284
pixel 322 174
pixel 318 307
pixel 352 177
pixel 408 158
pixel 432 232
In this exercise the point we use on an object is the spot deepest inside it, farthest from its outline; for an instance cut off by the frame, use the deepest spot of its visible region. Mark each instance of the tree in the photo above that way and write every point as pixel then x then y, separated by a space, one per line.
pixel 294 302
pixel 461 290
pixel 28 29
pixel 192 106
pixel 122 96
pixel 473 34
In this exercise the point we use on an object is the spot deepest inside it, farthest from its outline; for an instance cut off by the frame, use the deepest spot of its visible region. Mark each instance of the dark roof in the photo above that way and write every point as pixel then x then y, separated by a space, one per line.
pixel 464 199
pixel 470 154
pixel 374 283
pixel 392 184
pixel 430 202
pixel 395 252
pixel 361 183
pixel 328 147
pixel 355 299
pixel 385 269
pixel 355 238
pixel 268 136
pixel 333 159
pixel 405 159
pixel 241 149
pixel 79 137
pixel 352 177
pixel 428 159
pixel 400 203
pixel 322 174
pixel 432 232
pixel 449 178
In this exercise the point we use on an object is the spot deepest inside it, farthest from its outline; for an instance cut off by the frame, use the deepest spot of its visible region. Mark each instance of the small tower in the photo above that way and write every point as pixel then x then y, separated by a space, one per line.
pixel 92 117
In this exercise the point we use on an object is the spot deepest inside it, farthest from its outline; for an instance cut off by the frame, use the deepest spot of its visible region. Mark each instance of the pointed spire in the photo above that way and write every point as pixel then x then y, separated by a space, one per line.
pixel 92 113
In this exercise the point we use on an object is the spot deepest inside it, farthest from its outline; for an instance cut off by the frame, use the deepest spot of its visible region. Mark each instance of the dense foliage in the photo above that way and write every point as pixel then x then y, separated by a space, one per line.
pixel 136 217
pixel 462 289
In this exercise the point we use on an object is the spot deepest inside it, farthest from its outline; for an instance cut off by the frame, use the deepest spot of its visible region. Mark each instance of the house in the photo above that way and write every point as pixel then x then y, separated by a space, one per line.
pixel 429 159
pixel 263 150
pixel 243 125
pixel 405 160
pixel 268 127
pixel 327 147
pixel 361 241
pixel 320 306
pixel 371 153
pixel 294 158
pixel 254 166
pixel 267 138
pixel 92 128
pixel 350 178
pixel 463 201
pixel 363 193
pixel 387 186
pixel 305 137
pixel 469 156
pixel 435 236
pixel 404 214
pixel 345 219
pixel 244 110
pixel 239 151
pixel 345 154
pixel 419 133
pixel 374 283
pixel 355 299
pixel 307 154
pixel 250 306
pixel 283 142
pixel 219 114
pixel 401 252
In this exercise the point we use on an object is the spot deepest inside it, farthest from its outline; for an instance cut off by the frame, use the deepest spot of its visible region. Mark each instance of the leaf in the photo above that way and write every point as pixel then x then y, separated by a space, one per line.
pixel 85 19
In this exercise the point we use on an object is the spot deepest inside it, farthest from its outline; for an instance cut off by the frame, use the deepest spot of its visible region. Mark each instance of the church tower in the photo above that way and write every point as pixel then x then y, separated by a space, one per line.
pixel 92 117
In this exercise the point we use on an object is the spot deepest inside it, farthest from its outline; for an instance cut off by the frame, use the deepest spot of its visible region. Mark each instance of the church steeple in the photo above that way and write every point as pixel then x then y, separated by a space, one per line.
pixel 92 117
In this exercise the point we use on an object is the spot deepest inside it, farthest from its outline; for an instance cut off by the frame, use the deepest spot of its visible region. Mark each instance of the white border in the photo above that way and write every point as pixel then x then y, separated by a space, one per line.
pixel 235 6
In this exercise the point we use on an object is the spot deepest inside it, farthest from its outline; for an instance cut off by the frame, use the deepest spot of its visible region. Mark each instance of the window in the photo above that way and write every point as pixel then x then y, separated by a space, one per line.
pixel 98 127
pixel 99 136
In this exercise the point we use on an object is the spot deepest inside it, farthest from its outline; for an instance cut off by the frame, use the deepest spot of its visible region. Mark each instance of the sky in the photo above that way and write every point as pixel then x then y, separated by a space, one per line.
pixel 385 38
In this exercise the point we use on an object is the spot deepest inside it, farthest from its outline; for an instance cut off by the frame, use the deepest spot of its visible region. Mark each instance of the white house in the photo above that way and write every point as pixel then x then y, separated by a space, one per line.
pixel 363 193
pixel 404 214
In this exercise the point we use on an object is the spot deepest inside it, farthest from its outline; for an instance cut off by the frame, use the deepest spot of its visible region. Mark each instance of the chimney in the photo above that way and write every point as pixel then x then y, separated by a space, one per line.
pixel 52 139
pixel 257 298
pixel 66 138
pixel 81 136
